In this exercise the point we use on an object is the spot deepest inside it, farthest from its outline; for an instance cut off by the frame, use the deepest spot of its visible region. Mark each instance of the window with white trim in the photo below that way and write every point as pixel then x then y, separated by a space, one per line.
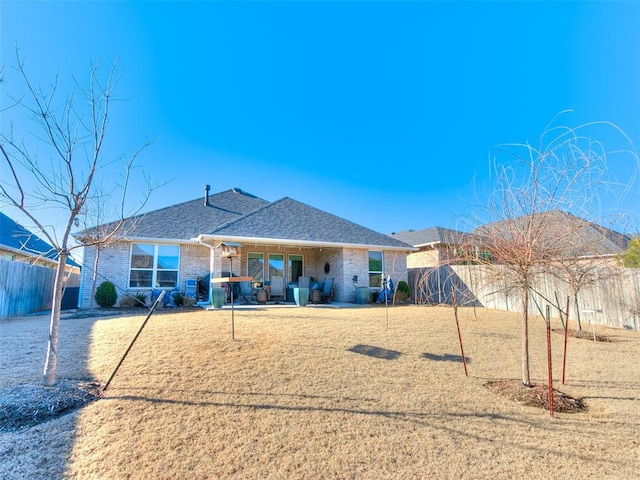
pixel 375 268
pixel 154 266
pixel 255 266
pixel 276 265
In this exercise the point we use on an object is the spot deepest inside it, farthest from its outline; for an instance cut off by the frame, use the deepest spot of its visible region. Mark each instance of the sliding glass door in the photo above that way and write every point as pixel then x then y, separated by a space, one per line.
pixel 295 267
pixel 276 265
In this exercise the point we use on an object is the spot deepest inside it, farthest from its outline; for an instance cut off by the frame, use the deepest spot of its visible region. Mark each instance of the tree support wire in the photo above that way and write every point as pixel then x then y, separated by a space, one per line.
pixel 455 313
pixel 153 307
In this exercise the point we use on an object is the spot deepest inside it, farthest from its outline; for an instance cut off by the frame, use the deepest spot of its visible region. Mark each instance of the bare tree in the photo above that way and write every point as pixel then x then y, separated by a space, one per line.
pixel 69 136
pixel 594 262
pixel 104 233
pixel 526 227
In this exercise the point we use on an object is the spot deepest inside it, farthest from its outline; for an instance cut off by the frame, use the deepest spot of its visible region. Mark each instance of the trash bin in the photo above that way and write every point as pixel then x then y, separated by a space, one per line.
pixel 301 296
pixel 362 295
pixel 217 296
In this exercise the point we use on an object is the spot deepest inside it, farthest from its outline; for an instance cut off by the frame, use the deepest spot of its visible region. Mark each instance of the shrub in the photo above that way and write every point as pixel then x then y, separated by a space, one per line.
pixel 401 297
pixel 178 299
pixel 106 295
pixel 404 288
pixel 128 302
pixel 189 301
pixel 141 299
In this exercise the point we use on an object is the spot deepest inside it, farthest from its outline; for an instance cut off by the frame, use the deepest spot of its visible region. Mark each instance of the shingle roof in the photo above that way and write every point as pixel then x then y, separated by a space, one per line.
pixel 15 237
pixel 288 219
pixel 431 235
pixel 234 213
pixel 561 231
pixel 189 219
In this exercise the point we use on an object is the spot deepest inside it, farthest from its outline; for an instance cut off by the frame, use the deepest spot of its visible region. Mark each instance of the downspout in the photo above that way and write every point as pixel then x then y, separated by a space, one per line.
pixel 82 272
pixel 211 260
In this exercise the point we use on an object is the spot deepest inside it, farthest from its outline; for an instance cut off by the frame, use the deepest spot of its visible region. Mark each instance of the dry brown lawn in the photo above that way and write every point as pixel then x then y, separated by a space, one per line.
pixel 322 393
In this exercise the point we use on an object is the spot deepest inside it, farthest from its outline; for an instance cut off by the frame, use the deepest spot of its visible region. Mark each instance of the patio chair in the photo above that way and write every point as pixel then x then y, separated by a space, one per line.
pixel 246 291
pixel 327 290
pixel 277 287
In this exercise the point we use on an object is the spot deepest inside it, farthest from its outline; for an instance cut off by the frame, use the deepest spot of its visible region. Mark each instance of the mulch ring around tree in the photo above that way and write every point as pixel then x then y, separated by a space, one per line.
pixel 31 404
pixel 586 335
pixel 536 396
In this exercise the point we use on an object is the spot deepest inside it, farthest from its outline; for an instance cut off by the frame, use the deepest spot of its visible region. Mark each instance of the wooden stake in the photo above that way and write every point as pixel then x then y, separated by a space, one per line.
pixel 548 319
pixel 564 349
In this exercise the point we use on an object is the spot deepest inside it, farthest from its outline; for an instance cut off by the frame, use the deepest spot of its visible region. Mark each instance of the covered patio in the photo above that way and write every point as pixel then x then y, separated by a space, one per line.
pixel 292 266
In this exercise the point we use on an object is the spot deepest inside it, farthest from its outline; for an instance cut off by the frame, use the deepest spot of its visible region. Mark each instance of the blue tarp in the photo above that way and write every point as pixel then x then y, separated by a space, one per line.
pixel 167 300
pixel 387 291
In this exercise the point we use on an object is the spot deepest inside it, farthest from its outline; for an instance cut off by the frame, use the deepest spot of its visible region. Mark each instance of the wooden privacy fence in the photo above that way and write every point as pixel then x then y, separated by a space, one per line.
pixel 28 288
pixel 616 296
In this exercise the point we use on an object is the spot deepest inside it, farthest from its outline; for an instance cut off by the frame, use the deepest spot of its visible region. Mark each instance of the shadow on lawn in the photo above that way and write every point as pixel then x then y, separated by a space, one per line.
pixel 444 422
pixel 26 403
pixel 376 352
pixel 395 414
pixel 447 357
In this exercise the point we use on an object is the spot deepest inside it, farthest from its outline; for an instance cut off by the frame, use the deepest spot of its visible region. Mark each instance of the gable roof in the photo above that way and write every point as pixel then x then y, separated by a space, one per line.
pixel 289 221
pixel 187 220
pixel 560 231
pixel 15 237
pixel 234 214
pixel 431 236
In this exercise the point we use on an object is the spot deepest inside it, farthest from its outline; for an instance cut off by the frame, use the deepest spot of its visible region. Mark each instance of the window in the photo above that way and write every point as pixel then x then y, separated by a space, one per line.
pixel 154 266
pixel 375 269
pixel 255 267
pixel 276 265
pixel 295 267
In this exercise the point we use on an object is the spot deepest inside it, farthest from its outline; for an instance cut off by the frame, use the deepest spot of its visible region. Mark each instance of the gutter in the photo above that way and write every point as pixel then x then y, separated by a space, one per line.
pixel 30 255
pixel 168 241
pixel 201 239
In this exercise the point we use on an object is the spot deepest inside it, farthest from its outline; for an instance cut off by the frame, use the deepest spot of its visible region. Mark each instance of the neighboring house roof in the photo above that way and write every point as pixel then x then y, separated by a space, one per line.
pixel 289 220
pixel 561 231
pixel 16 238
pixel 431 236
pixel 187 220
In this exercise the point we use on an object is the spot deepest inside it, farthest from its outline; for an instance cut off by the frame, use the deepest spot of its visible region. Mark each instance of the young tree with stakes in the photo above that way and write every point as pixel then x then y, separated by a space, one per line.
pixel 524 229
pixel 70 137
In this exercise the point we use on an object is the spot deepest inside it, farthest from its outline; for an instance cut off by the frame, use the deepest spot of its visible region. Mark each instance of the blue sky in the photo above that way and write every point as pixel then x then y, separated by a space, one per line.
pixel 384 113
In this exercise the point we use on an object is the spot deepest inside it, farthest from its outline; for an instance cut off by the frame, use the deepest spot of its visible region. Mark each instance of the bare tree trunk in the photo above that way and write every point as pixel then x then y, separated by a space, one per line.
pixel 73 134
pixel 526 379
pixel 575 299
pixel 51 362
